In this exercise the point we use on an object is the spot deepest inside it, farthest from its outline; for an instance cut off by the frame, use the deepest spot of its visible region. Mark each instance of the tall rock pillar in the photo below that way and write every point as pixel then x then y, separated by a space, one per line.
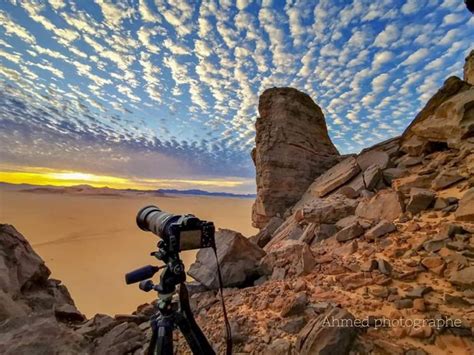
pixel 469 68
pixel 292 148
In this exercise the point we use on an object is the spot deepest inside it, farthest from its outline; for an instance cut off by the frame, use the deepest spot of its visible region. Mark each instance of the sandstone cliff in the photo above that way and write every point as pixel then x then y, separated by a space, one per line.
pixel 292 148
pixel 469 68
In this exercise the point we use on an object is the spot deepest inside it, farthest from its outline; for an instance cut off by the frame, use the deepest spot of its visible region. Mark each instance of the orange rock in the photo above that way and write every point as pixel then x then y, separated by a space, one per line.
pixel 420 332
pixel 432 262
pixel 419 304
pixel 399 332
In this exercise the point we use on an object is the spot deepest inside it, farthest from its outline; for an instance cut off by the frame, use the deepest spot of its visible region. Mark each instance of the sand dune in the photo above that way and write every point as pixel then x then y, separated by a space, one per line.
pixel 89 242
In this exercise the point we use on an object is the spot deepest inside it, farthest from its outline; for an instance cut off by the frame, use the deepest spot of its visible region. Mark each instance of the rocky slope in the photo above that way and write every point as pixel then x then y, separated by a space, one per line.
pixel 373 255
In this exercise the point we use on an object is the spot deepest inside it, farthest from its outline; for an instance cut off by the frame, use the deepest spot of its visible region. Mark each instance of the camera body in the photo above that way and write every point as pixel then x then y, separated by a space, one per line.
pixel 179 233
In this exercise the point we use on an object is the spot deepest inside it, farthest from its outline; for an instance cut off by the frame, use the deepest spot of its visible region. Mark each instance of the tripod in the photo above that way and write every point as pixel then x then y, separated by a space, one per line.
pixel 170 314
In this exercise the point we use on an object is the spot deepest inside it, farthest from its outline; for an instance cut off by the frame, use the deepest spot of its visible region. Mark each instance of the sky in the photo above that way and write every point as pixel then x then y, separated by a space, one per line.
pixel 164 94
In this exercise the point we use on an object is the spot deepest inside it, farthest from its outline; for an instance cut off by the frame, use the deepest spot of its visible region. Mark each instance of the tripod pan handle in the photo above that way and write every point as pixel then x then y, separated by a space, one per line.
pixel 141 274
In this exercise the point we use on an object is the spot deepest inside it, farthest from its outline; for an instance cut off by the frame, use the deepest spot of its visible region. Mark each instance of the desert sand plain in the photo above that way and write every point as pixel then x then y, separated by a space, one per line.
pixel 90 242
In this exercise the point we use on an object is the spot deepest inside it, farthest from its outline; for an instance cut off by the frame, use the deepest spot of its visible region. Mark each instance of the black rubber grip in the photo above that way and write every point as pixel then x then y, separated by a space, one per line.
pixel 141 274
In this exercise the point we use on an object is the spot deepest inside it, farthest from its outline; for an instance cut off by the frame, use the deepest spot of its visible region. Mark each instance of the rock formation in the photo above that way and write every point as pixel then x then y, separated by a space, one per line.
pixel 292 148
pixel 446 120
pixel 469 68
pixel 34 309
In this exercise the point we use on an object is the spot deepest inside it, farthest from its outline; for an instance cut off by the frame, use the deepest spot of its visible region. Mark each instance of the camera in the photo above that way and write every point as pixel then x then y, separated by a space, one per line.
pixel 178 232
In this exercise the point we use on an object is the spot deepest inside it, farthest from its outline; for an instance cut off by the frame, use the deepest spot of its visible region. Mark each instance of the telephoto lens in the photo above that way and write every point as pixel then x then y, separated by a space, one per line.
pixel 152 219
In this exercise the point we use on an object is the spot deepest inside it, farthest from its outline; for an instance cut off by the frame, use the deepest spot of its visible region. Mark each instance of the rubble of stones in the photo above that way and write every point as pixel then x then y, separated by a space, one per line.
pixel 387 234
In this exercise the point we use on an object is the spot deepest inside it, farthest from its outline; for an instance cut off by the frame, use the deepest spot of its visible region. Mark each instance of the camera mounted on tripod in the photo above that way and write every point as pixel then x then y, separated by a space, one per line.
pixel 177 233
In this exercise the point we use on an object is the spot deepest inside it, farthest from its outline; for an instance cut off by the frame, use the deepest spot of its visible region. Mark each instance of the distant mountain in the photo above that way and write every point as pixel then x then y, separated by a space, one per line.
pixel 205 193
pixel 85 190
pixel 107 191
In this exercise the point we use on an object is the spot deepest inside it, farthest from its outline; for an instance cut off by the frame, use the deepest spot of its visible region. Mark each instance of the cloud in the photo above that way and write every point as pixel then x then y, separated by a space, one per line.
pixel 50 68
pixel 12 28
pixel 416 57
pixel 387 37
pixel 175 48
pixel 146 13
pixel 65 36
pixel 114 13
pixel 452 19
pixel 381 58
pixel 57 4
pixel 13 57
pixel 412 6
pixel 378 83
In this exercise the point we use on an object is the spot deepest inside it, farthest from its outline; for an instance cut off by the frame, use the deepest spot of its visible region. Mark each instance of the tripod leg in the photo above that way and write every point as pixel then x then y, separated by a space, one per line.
pixel 161 342
pixel 193 334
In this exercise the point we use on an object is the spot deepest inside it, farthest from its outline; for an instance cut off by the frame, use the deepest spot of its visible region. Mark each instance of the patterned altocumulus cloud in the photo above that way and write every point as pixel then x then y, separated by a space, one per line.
pixel 169 89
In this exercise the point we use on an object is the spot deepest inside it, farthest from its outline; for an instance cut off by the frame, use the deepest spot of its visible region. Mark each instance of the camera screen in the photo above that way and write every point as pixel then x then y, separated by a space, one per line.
pixel 190 239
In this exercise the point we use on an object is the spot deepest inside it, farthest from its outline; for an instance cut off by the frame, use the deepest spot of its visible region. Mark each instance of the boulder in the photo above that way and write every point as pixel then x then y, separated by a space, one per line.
pixel 384 266
pixel 289 258
pixel 373 157
pixel 348 192
pixel 463 278
pixel 332 332
pixel 367 179
pixel 238 258
pixel 445 120
pixel 386 204
pixel 328 210
pixel 352 231
pixel 391 174
pixel 125 338
pixel 292 149
pixel 24 279
pixel 20 266
pixel 440 203
pixel 420 200
pixel 10 308
pixel 346 221
pixel 469 68
pixel 406 183
pixel 266 233
pixel 465 211
pixel 323 231
pixel 390 146
pixel 278 347
pixel 372 176
pixel 39 334
pixel 434 263
pixel 295 305
pixel 408 161
pixel 308 233
pixel 335 177
pixel 446 178
pixel 97 326
pixel 380 229
pixel 419 291
pixel 288 230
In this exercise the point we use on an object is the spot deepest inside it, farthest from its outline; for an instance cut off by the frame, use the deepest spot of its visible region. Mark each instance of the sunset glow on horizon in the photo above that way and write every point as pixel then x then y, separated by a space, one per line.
pixel 45 177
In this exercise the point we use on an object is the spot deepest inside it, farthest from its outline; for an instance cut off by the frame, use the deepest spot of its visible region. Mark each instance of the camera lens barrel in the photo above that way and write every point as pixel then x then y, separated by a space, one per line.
pixel 152 219
pixel 142 215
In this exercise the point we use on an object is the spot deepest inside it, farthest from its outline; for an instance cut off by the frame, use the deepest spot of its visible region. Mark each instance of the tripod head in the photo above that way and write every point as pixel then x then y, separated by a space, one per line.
pixel 172 275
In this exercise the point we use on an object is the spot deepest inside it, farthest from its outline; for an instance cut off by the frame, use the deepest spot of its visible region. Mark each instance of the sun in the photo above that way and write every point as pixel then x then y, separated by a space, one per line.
pixel 75 176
